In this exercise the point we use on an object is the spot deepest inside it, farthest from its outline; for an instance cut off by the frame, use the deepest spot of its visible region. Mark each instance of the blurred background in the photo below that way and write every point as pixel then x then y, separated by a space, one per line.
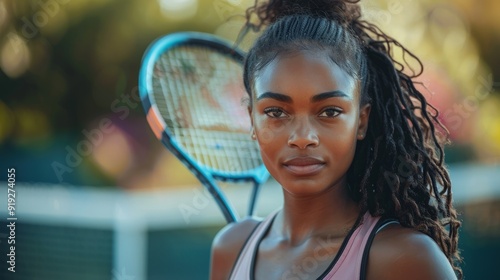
pixel 98 197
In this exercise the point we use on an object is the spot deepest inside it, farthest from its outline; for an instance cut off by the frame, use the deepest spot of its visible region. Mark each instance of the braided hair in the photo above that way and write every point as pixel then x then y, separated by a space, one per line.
pixel 398 169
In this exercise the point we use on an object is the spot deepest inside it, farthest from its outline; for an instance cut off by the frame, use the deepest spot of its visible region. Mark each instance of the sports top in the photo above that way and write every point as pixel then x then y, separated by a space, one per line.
pixel 349 263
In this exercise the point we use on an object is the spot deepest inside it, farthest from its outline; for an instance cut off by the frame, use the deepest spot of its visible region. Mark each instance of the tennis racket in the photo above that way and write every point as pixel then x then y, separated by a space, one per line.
pixel 192 91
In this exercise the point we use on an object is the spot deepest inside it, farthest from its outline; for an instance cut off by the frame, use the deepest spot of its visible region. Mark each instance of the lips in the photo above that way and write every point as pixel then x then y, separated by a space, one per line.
pixel 304 166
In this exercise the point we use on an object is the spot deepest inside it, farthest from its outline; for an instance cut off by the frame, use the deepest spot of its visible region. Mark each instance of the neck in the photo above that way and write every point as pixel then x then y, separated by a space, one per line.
pixel 324 215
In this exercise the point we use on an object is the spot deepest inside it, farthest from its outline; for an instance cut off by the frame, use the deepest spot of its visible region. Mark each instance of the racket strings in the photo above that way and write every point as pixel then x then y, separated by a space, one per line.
pixel 198 92
pixel 228 146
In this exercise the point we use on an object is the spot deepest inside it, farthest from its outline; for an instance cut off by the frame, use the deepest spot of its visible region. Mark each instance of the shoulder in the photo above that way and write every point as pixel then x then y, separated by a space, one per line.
pixel 404 253
pixel 227 245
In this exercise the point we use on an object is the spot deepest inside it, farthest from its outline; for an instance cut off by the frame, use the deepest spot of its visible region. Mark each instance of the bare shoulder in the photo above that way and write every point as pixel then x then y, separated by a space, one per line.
pixel 403 253
pixel 227 245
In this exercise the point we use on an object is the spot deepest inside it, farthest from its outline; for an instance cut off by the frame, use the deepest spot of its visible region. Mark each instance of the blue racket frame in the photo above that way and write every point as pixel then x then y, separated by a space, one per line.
pixel 205 174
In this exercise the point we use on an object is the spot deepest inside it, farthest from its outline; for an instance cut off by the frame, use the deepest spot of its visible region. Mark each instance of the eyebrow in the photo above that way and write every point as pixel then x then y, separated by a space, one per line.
pixel 329 94
pixel 276 96
pixel 314 99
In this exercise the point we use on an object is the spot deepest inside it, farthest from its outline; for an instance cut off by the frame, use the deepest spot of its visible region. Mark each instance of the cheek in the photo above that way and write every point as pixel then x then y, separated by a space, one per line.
pixel 340 140
pixel 345 148
pixel 272 139
pixel 268 132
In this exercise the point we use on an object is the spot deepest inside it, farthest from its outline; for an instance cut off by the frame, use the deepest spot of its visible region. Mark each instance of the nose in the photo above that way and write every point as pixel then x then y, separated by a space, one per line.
pixel 303 134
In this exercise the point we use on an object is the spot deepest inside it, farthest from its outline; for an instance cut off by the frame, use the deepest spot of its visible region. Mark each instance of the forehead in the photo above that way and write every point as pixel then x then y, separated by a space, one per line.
pixel 306 71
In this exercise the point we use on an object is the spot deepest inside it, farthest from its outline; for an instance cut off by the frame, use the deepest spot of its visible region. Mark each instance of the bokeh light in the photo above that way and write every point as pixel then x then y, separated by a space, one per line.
pixel 14 56
pixel 4 15
pixel 487 130
pixel 178 9
pixel 113 154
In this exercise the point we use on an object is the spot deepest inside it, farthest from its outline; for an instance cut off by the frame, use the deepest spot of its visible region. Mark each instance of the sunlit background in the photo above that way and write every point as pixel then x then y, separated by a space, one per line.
pixel 101 197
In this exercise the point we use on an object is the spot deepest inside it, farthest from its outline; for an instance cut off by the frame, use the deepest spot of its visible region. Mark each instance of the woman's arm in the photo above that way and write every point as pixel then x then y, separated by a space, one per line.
pixel 227 245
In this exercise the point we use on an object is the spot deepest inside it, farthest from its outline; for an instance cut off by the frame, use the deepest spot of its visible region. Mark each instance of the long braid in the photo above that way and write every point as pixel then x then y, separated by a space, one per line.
pixel 398 169
pixel 412 195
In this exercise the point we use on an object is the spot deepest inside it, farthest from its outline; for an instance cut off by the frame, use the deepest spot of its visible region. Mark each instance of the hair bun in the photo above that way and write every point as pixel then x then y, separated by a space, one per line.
pixel 341 11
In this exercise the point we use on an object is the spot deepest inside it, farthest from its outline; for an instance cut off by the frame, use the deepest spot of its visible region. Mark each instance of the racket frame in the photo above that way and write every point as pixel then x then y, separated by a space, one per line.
pixel 205 174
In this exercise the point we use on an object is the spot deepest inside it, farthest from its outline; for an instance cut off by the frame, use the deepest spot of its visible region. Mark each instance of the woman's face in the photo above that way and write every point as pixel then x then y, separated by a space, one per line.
pixel 307 119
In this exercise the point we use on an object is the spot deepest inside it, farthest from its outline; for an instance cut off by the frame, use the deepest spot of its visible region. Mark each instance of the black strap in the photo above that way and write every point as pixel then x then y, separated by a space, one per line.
pixel 243 247
pixel 364 261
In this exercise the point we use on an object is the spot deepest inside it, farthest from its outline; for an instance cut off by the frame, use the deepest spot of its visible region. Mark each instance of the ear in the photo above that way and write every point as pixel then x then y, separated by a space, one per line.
pixel 364 116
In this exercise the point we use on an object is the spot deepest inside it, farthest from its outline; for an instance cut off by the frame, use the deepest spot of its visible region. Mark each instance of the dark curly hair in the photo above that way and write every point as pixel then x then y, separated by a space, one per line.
pixel 398 169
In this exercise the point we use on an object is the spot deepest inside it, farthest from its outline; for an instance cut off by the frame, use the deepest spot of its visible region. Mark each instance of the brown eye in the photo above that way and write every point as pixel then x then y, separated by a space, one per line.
pixel 330 113
pixel 275 113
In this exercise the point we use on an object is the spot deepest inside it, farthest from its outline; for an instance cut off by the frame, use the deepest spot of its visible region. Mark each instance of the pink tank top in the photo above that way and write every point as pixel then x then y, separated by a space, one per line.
pixel 345 266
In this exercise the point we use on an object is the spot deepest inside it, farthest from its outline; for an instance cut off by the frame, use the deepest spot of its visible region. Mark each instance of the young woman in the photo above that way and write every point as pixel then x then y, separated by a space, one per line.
pixel 355 148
